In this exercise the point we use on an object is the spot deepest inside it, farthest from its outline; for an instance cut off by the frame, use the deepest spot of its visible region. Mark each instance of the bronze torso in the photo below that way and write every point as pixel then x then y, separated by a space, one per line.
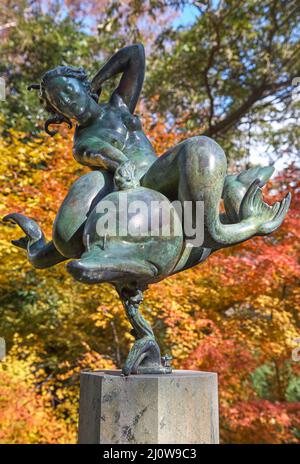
pixel 122 130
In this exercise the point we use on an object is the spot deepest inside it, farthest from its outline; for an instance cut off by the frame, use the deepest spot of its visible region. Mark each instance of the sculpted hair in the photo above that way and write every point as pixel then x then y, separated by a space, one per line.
pixel 60 71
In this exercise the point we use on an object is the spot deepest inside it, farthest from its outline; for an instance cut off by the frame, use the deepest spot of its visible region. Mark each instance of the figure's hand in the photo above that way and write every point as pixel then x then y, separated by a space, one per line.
pixel 266 218
pixel 125 177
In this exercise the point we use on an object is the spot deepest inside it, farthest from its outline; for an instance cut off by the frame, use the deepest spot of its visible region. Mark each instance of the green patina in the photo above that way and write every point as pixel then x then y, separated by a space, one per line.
pixel 110 140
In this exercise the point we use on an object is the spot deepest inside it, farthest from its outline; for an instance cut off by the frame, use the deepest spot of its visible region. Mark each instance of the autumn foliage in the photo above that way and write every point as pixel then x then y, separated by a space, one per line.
pixel 238 314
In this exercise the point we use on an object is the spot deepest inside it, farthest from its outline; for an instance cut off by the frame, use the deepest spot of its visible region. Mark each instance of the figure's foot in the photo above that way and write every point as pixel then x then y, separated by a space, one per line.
pixel 266 218
pixel 96 267
pixel 144 358
pixel 31 229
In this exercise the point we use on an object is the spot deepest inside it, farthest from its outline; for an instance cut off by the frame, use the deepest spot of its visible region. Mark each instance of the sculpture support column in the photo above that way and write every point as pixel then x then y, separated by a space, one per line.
pixel 177 408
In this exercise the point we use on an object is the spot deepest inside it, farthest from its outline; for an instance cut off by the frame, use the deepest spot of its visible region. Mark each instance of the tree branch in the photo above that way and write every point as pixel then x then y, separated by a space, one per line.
pixel 257 94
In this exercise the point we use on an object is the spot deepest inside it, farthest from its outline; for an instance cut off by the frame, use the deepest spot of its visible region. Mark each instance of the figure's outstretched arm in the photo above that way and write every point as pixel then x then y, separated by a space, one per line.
pixel 130 61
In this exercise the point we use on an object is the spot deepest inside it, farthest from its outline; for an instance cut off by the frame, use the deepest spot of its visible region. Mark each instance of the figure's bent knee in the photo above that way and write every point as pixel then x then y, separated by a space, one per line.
pixel 205 151
pixel 72 215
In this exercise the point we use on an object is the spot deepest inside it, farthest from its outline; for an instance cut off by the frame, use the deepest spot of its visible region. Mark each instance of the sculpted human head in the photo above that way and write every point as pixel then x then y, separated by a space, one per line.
pixel 65 93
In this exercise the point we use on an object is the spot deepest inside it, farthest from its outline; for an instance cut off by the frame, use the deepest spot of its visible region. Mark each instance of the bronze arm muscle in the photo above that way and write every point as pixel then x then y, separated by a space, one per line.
pixel 98 153
pixel 131 62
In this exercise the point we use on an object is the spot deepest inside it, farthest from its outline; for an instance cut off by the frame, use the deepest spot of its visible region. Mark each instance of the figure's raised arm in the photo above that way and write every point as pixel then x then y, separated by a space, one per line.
pixel 130 61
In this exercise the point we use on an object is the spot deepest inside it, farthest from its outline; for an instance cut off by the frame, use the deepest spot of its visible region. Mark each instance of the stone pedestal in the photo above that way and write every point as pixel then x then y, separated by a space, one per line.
pixel 181 407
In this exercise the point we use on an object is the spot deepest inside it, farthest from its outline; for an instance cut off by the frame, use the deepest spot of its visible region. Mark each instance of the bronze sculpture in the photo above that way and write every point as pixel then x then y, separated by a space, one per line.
pixel 110 140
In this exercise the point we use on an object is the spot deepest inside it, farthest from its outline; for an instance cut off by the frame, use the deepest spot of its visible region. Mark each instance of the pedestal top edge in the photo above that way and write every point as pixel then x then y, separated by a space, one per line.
pixel 175 373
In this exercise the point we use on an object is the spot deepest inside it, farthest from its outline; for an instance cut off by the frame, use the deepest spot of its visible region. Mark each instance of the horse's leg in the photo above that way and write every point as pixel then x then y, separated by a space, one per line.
pixel 195 171
pixel 68 225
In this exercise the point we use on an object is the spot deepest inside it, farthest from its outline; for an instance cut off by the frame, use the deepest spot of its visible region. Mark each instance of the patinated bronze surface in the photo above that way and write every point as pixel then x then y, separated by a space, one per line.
pixel 110 140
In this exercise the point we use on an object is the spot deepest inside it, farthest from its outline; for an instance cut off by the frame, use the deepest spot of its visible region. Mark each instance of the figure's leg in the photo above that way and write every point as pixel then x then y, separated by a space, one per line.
pixel 195 171
pixel 68 225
